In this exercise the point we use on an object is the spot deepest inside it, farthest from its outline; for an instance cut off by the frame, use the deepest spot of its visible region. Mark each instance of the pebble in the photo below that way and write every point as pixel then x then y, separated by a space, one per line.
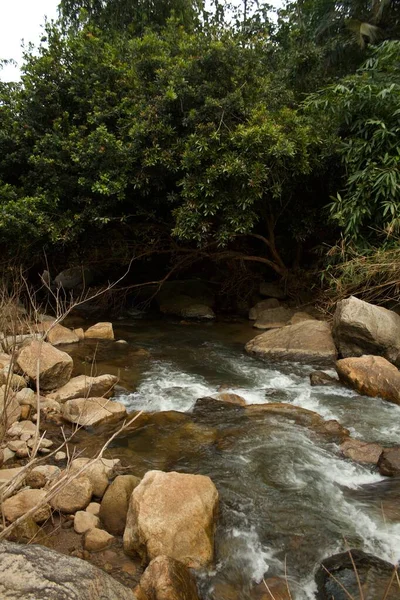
pixel 97 539
pixel 60 456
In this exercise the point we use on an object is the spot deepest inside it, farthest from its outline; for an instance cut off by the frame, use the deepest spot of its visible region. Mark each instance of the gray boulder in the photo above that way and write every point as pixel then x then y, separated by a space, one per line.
pixel 30 572
pixel 362 328
pixel 74 277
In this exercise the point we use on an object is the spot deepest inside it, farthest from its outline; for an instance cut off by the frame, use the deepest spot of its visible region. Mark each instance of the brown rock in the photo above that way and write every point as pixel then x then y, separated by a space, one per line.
pixel 25 532
pixel 97 539
pixel 362 452
pixel 103 331
pixel 18 429
pixel 98 473
pixel 27 397
pixel 389 461
pixel 371 375
pixel 321 378
pixel 55 367
pixel 85 521
pixel 310 342
pixel 76 495
pixel 168 579
pixel 61 335
pixel 255 312
pixel 300 317
pixel 35 480
pixel 79 333
pixel 231 398
pixel 92 411
pixel 173 514
pixel 18 505
pixel 85 387
pixel 93 508
pixel 114 506
pixel 276 588
pixel 25 412
pixel 273 318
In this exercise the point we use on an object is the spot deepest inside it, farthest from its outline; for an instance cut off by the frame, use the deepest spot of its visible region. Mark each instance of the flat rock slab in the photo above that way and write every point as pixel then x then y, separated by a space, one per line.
pixel 308 342
pixel 92 411
pixel 33 572
pixel 371 375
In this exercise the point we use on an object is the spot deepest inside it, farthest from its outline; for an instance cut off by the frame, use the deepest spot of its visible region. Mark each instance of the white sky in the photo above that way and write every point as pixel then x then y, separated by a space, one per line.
pixel 22 20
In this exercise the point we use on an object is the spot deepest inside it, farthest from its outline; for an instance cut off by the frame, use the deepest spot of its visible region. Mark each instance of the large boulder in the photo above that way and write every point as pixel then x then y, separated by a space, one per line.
pixel 371 375
pixel 92 411
pixel 310 342
pixel 173 514
pixel 389 461
pixel 362 328
pixel 168 579
pixel 258 308
pixel 115 503
pixel 30 572
pixel 84 386
pixel 18 505
pixel 273 318
pixel 53 366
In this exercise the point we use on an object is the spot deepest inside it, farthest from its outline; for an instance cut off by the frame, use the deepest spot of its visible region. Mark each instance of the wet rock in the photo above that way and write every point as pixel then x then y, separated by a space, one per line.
pixel 371 376
pixel 362 328
pixel 84 387
pixel 114 506
pixel 273 318
pixel 310 342
pixel 272 289
pixel 10 410
pixel 102 331
pixel 75 495
pixel 168 579
pixel 201 312
pixel 375 576
pixel 231 398
pixel 92 411
pixel 54 366
pixel 85 521
pixel 331 428
pixel 389 461
pixel 322 378
pixel 362 452
pixel 260 307
pixel 173 514
pixel 18 505
pixel 97 539
pixel 32 571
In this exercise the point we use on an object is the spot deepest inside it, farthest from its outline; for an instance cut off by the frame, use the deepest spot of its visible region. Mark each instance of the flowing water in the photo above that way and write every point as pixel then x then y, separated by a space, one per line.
pixel 287 498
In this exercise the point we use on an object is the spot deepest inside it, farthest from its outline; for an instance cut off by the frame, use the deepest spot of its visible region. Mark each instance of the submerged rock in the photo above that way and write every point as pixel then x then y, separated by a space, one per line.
pixel 168 579
pixel 362 328
pixel 372 376
pixel 337 572
pixel 309 341
pixel 33 572
pixel 322 378
pixel 173 514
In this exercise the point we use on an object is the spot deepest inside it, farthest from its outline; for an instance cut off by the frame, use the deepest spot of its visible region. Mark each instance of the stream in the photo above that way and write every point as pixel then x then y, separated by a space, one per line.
pixel 287 498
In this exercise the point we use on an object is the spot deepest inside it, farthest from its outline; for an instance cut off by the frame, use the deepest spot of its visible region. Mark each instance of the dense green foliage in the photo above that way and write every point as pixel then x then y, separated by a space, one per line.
pixel 158 121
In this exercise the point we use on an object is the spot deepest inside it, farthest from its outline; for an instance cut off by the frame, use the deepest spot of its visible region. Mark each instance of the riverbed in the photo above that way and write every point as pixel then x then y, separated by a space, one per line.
pixel 287 497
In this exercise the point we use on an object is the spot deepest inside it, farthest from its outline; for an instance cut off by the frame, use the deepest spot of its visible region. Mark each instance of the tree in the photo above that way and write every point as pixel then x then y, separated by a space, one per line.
pixel 365 110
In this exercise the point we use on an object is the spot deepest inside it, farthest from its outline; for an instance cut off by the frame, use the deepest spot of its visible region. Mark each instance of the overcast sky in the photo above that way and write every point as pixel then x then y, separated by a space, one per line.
pixel 22 20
